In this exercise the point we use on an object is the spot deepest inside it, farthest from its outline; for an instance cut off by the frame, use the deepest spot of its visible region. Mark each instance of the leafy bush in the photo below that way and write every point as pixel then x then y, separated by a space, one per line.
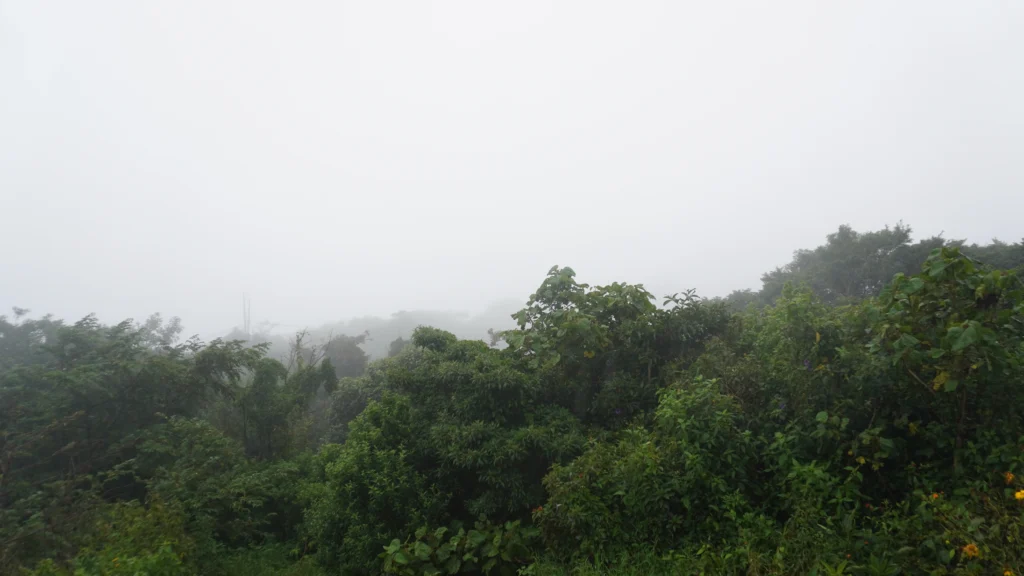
pixel 372 490
pixel 687 476
pixel 224 496
pixel 131 539
pixel 484 549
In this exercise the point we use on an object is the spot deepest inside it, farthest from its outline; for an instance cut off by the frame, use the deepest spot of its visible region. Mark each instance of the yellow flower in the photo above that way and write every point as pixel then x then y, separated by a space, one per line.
pixel 860 459
pixel 588 354
pixel 1019 495
pixel 971 551
pixel 1008 476
pixel 1007 572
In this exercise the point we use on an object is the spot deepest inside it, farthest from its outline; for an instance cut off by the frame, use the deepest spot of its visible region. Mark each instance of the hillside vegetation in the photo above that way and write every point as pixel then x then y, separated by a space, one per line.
pixel 863 413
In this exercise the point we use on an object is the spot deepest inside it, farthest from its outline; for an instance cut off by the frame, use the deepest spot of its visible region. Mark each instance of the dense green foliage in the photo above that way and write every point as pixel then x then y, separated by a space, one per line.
pixel 862 414
pixel 851 265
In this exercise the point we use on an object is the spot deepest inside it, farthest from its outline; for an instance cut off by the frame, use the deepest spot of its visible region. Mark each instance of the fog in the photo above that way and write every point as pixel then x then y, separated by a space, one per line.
pixel 336 160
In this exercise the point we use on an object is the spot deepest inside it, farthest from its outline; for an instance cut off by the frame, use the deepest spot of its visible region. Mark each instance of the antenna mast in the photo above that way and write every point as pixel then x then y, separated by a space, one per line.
pixel 246 317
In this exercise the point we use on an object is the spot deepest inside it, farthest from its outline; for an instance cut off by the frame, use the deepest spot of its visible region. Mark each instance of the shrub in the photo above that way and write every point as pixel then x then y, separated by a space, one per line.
pixel 484 549
pixel 687 476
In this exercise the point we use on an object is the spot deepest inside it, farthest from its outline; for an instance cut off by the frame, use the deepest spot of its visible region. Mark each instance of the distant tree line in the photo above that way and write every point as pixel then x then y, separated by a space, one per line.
pixel 852 266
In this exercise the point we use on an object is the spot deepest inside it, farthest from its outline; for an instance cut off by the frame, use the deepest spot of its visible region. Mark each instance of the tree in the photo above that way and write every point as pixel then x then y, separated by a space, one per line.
pixel 22 339
pixel 75 411
pixel 849 266
pixel 345 354
pixel 396 346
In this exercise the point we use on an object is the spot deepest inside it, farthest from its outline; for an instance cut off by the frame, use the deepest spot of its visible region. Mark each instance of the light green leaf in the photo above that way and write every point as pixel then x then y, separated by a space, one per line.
pixel 443 552
pixel 422 551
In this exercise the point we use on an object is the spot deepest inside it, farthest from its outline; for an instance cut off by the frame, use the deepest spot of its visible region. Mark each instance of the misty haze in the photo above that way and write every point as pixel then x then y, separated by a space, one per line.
pixel 540 288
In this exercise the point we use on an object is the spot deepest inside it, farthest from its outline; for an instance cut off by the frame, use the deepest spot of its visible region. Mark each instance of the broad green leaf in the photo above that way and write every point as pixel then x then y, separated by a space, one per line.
pixel 937 267
pixel 443 552
pixel 915 284
pixel 422 551
pixel 967 337
pixel 822 417
pixel 475 538
pixel 908 341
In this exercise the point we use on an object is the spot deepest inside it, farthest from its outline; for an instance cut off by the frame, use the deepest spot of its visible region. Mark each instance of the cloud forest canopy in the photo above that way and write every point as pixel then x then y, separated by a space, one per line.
pixel 860 414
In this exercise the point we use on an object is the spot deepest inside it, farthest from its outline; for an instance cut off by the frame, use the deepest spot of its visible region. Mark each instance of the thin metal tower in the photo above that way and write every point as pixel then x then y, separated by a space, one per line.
pixel 246 317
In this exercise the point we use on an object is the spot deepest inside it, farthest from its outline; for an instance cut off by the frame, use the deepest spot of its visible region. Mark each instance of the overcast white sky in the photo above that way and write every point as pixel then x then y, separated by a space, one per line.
pixel 337 158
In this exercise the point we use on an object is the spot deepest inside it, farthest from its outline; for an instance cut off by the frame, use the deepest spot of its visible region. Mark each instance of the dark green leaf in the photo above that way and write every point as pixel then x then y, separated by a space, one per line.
pixel 967 337
pixel 475 538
